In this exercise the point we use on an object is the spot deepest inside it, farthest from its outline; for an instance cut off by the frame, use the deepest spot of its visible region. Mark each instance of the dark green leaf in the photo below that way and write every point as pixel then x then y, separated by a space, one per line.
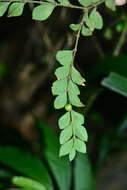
pixel 116 83
pixel 60 167
pixel 26 164
pixel 83 169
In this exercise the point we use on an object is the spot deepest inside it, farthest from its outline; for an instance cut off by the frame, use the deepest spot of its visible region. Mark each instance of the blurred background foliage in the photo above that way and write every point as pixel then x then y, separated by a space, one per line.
pixel 28 126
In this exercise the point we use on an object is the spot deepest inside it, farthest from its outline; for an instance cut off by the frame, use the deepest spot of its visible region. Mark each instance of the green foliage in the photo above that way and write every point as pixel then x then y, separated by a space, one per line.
pixel 26 164
pixel 116 83
pixel 110 4
pixel 60 167
pixel 65 88
pixel 71 137
pixel 83 169
pixel 27 183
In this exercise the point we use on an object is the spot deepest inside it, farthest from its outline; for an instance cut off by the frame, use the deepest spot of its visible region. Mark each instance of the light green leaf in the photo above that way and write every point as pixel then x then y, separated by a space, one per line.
pixel 25 163
pixel 110 4
pixel 64 121
pixel 66 148
pixel 76 77
pixel 72 154
pixel 62 72
pixel 77 118
pixel 42 12
pixel 74 27
pixel 66 134
pixel 60 101
pixel 85 2
pixel 86 31
pixel 81 132
pixel 73 88
pixel 83 169
pixel 96 18
pixel 80 145
pixel 116 83
pixel 59 86
pixel 74 99
pixel 65 57
pixel 64 2
pixel 3 7
pixel 28 184
pixel 16 9
pixel 89 22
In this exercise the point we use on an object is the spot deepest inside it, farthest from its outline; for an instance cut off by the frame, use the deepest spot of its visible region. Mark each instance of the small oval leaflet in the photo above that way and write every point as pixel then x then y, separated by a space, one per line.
pixel 42 12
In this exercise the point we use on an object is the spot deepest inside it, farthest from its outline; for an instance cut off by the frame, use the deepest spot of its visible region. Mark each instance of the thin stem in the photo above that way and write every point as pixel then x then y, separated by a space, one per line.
pixel 121 41
pixel 56 4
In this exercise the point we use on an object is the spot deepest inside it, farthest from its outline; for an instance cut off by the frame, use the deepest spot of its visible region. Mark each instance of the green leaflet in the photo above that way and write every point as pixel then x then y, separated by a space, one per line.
pixel 28 184
pixel 62 72
pixel 110 4
pixel 89 22
pixel 64 2
pixel 64 121
pixel 16 9
pixel 96 18
pixel 80 145
pixel 60 101
pixel 86 31
pixel 74 99
pixel 74 27
pixel 72 154
pixel 73 88
pixel 66 134
pixel 42 12
pixel 66 148
pixel 85 2
pixel 76 77
pixel 65 57
pixel 3 7
pixel 59 86
pixel 80 132
pixel 77 118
